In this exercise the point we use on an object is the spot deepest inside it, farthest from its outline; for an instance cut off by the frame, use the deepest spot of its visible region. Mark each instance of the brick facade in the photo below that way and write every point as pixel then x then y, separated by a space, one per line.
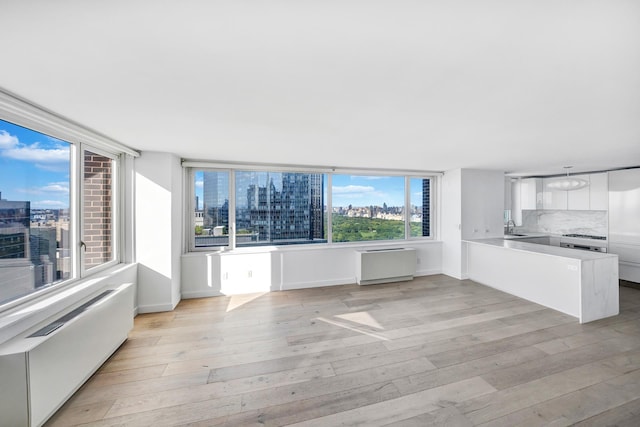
pixel 98 209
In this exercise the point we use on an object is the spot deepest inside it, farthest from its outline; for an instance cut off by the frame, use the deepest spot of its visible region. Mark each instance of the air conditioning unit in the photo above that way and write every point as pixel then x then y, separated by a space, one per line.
pixel 385 265
pixel 41 369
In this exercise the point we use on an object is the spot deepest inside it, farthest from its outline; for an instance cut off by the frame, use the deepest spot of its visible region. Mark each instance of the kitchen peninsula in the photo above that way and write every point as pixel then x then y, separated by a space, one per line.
pixel 582 284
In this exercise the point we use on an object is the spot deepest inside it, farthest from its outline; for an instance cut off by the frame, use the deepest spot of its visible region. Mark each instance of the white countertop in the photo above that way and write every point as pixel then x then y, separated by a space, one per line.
pixel 515 244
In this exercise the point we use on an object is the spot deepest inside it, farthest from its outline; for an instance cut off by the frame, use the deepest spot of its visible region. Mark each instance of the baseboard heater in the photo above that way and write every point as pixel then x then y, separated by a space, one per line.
pixel 385 265
pixel 41 369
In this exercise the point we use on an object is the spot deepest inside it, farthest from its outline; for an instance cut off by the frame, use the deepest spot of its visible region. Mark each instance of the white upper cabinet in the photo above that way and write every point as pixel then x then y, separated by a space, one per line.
pixel 552 197
pixel 531 193
pixel 599 191
pixel 578 200
pixel 592 197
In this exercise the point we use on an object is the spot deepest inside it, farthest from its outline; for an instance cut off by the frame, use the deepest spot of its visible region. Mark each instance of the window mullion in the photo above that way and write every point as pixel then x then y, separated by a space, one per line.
pixel 407 207
pixel 329 208
pixel 232 209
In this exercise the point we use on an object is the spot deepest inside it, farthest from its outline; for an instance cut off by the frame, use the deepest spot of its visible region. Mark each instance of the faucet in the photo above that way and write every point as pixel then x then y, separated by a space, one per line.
pixel 510 226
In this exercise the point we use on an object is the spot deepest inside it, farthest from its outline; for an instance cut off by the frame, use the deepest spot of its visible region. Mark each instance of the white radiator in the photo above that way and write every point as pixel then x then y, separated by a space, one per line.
pixel 41 369
pixel 385 265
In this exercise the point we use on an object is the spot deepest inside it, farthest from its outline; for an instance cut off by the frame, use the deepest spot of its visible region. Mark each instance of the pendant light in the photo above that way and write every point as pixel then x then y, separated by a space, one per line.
pixel 567 183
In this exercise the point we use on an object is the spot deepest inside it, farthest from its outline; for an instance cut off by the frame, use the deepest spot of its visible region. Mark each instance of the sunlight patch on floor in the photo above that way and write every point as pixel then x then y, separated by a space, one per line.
pixel 352 328
pixel 362 317
pixel 236 301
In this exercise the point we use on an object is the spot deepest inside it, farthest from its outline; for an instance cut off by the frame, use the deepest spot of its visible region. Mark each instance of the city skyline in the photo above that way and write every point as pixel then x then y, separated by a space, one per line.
pixel 33 167
pixel 355 190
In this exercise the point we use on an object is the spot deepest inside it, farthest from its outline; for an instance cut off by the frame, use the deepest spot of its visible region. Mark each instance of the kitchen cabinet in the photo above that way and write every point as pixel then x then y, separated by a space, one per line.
pixel 531 193
pixel 592 197
pixel 553 199
pixel 624 226
pixel 578 200
pixel 599 191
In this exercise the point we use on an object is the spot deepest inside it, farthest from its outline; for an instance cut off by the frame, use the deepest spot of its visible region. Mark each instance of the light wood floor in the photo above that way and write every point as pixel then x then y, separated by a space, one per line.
pixel 433 351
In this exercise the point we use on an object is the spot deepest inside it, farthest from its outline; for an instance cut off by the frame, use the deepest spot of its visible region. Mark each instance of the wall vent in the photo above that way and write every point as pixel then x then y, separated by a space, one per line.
pixel 46 330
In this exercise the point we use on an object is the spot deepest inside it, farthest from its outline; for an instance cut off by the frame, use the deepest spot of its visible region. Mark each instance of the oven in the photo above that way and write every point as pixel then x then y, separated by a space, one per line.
pixel 584 242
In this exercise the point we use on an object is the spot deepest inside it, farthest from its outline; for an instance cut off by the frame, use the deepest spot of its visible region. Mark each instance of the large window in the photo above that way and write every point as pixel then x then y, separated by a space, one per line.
pixel 48 237
pixel 279 208
pixel 236 208
pixel 368 208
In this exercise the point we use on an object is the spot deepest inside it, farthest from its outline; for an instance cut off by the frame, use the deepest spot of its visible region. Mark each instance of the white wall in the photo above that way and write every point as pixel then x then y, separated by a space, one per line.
pixel 281 268
pixel 158 229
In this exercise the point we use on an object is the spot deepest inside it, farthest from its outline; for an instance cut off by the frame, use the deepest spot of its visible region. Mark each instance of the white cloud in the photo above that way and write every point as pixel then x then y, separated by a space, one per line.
pixel 57 187
pixel 53 187
pixel 369 178
pixel 7 140
pixel 199 184
pixel 40 156
pixel 49 204
pixel 353 189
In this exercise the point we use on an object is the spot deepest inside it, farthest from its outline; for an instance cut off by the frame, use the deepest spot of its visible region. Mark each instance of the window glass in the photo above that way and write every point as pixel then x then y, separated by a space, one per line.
pixel 367 208
pixel 279 208
pixel 98 200
pixel 420 190
pixel 211 215
pixel 35 248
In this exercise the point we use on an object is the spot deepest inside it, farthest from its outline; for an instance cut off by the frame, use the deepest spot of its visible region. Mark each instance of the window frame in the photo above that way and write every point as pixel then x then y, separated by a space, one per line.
pixel 190 205
pixel 20 112
pixel 191 167
pixel 117 211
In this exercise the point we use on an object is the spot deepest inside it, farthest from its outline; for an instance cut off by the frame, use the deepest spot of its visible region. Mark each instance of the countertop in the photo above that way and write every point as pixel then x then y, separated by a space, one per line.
pixel 526 235
pixel 542 249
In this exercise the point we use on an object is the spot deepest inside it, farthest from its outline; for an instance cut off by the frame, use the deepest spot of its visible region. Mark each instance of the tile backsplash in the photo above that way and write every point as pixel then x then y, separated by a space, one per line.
pixel 565 221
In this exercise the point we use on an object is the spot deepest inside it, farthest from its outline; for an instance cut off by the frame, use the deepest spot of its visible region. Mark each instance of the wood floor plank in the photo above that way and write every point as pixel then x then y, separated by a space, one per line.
pixel 627 415
pixel 409 406
pixel 274 365
pixel 503 402
pixel 317 387
pixel 216 390
pixel 308 409
pixel 577 406
pixel 431 351
pixel 529 371
pixel 446 417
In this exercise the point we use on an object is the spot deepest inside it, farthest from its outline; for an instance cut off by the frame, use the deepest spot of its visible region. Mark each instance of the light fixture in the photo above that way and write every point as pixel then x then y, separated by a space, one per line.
pixel 567 183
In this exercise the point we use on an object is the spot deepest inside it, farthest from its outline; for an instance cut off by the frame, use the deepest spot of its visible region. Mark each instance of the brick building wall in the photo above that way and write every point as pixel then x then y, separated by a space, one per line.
pixel 98 209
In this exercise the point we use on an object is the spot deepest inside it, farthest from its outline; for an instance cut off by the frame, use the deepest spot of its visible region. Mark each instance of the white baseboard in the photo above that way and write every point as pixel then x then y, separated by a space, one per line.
pixel 155 308
pixel 201 294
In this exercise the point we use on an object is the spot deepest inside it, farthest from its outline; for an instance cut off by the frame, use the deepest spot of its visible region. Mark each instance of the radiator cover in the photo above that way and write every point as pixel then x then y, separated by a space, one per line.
pixel 385 265
pixel 39 373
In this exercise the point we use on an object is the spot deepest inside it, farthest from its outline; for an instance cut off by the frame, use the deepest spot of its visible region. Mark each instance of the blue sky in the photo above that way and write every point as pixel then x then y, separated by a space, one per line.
pixel 33 167
pixel 359 190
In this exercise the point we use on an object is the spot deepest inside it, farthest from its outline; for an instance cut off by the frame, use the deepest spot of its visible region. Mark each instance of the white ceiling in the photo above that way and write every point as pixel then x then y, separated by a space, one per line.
pixel 521 86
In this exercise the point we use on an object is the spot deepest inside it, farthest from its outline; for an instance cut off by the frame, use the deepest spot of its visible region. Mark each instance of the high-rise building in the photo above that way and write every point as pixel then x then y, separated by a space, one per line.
pixel 16 268
pixel 43 245
pixel 293 212
pixel 15 220
pixel 426 200
pixel 283 207
pixel 215 195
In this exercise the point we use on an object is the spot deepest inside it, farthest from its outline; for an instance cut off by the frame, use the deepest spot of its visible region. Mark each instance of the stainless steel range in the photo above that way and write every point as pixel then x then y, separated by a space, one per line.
pixel 584 242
